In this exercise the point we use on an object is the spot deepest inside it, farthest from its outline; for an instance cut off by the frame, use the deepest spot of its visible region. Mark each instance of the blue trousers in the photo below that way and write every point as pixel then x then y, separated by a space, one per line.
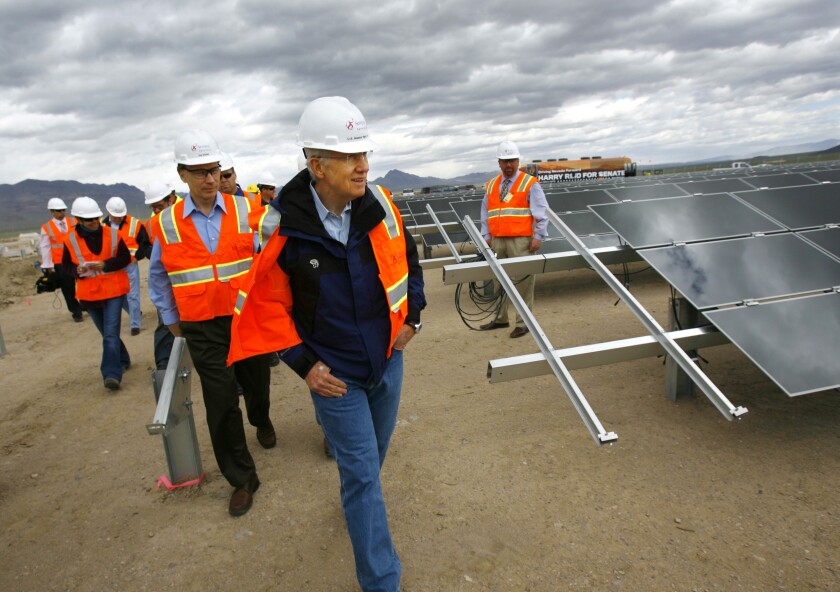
pixel 114 354
pixel 131 304
pixel 358 428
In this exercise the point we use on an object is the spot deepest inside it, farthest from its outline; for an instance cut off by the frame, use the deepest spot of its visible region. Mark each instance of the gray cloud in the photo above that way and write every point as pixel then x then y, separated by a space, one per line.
pixel 98 90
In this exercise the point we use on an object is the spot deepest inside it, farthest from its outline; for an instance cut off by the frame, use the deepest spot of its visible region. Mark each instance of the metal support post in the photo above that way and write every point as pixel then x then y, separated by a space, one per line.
pixel 718 399
pixel 443 233
pixel 590 420
pixel 681 315
pixel 174 418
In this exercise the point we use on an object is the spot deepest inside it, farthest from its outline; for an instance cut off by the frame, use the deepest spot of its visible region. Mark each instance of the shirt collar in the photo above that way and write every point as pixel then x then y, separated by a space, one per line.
pixel 189 204
pixel 323 212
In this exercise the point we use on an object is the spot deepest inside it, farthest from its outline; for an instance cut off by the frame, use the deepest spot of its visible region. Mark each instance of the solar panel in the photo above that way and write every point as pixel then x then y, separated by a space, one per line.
pixel 471 208
pixel 733 271
pixel 715 186
pixel 795 342
pixel 582 224
pixel 576 201
pixel 828 239
pixel 782 180
pixel 798 207
pixel 823 176
pixel 647 192
pixel 686 219
pixel 561 245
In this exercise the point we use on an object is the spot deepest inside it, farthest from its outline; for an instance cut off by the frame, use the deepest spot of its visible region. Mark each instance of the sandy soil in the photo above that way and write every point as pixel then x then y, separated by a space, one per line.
pixel 489 487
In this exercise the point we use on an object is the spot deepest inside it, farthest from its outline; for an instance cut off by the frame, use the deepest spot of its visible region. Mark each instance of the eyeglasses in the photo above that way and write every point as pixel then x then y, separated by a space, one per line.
pixel 354 159
pixel 202 173
pixel 265 187
pixel 227 175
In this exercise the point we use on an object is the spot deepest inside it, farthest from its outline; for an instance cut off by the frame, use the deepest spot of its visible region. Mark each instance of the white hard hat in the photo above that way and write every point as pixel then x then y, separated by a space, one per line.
pixel 196 147
pixel 56 203
pixel 226 162
pixel 301 161
pixel 507 150
pixel 266 178
pixel 116 207
pixel 85 207
pixel 334 123
pixel 156 191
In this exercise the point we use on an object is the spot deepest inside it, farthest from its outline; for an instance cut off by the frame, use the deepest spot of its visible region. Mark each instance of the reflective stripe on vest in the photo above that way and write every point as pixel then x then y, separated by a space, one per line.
pixel 133 229
pixel 269 221
pixel 398 291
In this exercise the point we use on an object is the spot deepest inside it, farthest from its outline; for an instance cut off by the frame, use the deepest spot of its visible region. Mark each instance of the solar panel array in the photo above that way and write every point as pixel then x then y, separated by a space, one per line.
pixel 759 256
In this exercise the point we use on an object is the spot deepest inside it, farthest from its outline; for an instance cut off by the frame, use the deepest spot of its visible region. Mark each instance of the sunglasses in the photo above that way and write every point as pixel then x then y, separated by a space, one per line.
pixel 227 175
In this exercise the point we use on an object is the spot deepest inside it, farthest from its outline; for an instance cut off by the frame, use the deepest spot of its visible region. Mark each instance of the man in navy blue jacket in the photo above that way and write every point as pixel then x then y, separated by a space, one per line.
pixel 353 290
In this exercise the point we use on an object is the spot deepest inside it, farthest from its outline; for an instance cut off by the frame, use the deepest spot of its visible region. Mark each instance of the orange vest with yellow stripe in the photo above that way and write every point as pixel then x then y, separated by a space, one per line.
pixel 56 237
pixel 263 322
pixel 102 285
pixel 205 284
pixel 128 232
pixel 510 215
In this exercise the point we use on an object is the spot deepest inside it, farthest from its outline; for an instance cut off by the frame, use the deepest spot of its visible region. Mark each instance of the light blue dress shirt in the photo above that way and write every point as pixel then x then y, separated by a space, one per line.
pixel 338 227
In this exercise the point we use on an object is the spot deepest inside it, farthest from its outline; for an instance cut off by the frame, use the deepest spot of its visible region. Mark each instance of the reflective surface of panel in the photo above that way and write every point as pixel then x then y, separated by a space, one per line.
pixel 832 175
pixel 783 180
pixel 828 239
pixel 729 272
pixel 798 207
pixel 647 192
pixel 576 201
pixel 795 342
pixel 581 223
pixel 666 221
pixel 716 186
pixel 471 208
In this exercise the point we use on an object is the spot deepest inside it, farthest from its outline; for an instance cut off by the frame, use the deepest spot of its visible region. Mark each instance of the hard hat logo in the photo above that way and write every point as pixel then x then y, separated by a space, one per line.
pixel 349 125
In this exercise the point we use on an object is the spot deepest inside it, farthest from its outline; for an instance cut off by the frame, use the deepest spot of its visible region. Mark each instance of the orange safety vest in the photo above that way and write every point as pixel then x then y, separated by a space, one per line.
pixel 103 284
pixel 262 320
pixel 510 216
pixel 128 232
pixel 56 237
pixel 205 285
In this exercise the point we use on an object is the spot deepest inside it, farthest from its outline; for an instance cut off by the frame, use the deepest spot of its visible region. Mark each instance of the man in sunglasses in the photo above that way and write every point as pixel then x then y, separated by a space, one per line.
pixel 202 252
pixel 228 183
pixel 266 186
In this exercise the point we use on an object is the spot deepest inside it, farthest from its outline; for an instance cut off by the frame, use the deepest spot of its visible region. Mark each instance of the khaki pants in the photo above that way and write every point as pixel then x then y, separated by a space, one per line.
pixel 506 247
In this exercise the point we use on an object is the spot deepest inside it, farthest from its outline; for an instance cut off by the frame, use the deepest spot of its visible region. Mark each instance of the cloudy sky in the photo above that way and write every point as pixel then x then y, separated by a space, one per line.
pixel 97 91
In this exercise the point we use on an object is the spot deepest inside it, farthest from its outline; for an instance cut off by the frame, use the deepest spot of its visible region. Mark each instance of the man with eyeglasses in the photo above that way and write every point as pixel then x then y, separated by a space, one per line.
pixel 513 222
pixel 202 252
pixel 338 288
pixel 51 246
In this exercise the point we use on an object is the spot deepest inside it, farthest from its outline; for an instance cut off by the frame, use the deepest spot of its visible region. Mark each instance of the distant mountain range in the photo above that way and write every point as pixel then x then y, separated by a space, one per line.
pixel 24 204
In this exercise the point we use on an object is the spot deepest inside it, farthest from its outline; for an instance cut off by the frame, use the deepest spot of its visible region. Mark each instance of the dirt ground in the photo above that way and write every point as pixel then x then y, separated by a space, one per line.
pixel 488 487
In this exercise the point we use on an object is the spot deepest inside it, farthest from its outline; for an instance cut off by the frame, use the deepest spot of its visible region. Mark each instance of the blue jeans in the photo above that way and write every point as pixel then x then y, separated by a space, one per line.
pixel 358 427
pixel 131 304
pixel 114 355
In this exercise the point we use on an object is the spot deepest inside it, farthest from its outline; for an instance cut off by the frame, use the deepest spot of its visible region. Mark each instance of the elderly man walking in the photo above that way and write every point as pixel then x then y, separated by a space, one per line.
pixel 338 288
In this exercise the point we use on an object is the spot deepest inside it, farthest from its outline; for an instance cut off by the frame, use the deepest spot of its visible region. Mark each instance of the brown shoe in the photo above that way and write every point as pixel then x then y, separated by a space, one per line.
pixel 493 325
pixel 266 436
pixel 243 497
pixel 518 332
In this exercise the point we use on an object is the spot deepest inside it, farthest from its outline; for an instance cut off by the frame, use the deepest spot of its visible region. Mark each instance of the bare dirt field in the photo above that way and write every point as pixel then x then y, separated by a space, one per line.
pixel 488 487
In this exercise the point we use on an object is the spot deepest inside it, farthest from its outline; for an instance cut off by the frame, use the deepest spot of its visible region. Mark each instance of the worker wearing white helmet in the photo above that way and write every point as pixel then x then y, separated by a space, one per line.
pixel 201 254
pixel 513 222
pixel 97 256
pixel 352 316
pixel 267 186
pixel 134 234
pixel 51 246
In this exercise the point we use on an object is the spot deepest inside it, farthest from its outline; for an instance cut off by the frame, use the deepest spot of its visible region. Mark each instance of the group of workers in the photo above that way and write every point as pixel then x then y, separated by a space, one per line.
pixel 324 274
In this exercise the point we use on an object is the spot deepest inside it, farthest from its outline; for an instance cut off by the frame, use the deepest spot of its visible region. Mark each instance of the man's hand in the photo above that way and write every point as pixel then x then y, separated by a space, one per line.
pixel 320 381
pixel 403 337
pixel 535 245
pixel 175 329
